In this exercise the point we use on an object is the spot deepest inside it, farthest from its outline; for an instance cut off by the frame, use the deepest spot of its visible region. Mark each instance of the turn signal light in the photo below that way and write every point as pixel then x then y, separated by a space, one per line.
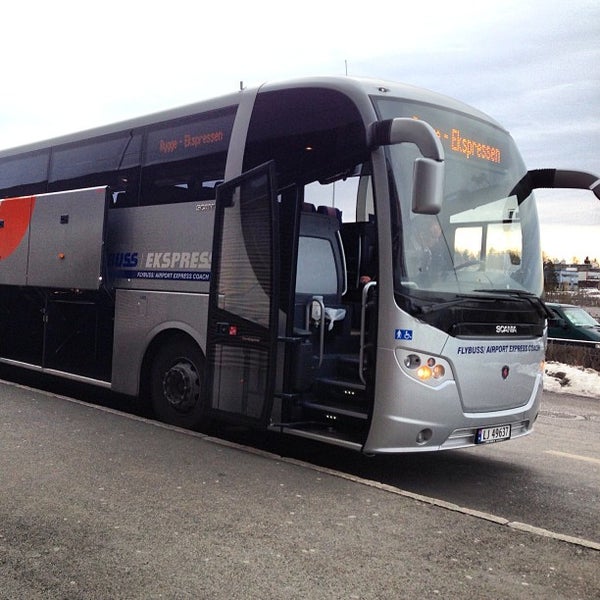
pixel 432 370
pixel 424 373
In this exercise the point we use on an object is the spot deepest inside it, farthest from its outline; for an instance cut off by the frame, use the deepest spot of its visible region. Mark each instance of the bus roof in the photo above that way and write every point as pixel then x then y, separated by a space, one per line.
pixel 381 87
pixel 353 86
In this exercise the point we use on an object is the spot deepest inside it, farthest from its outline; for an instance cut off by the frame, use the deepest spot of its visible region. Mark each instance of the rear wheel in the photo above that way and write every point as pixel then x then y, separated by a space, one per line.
pixel 176 381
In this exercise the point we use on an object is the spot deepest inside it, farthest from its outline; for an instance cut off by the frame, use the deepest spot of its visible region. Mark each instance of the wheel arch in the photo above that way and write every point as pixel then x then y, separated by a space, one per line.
pixel 167 334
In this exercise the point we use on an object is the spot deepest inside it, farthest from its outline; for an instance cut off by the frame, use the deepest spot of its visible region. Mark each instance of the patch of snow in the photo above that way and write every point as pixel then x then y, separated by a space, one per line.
pixel 567 379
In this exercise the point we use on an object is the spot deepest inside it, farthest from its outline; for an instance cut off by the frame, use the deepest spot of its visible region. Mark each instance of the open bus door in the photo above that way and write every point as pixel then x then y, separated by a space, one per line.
pixel 243 305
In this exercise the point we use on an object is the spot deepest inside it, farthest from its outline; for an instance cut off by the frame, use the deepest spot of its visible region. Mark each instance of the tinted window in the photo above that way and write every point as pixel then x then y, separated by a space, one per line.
pixel 112 160
pixel 96 156
pixel 25 174
pixel 182 139
pixel 185 159
pixel 311 134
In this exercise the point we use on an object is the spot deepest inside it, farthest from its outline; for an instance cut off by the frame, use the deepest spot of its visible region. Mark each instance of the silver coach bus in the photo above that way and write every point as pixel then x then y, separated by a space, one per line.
pixel 347 260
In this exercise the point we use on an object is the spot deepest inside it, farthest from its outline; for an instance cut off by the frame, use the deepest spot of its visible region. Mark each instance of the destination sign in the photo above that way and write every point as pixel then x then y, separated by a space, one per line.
pixel 171 146
pixel 462 136
pixel 470 147
pixel 467 145
pixel 195 137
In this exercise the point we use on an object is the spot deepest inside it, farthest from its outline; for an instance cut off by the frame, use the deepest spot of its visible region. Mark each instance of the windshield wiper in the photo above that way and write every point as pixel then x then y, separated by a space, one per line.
pixel 414 305
pixel 440 305
pixel 508 291
pixel 459 300
pixel 534 300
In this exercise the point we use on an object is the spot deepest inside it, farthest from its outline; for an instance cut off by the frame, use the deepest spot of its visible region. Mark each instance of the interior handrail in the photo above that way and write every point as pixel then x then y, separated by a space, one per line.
pixel 363 325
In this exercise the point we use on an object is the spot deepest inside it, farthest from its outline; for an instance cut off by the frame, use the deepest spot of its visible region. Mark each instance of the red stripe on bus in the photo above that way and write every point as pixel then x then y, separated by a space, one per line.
pixel 15 215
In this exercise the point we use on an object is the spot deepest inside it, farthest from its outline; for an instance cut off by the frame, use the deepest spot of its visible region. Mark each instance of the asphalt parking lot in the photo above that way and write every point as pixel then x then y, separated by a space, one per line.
pixel 97 504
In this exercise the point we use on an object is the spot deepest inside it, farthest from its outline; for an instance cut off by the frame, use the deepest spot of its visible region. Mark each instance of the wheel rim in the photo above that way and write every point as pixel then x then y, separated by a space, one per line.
pixel 181 386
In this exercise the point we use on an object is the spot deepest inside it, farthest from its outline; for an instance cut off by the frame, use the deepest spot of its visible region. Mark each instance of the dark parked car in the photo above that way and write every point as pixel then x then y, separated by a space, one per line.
pixel 572 323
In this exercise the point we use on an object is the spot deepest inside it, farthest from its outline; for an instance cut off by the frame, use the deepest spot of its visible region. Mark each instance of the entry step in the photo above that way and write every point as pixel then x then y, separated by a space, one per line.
pixel 337 410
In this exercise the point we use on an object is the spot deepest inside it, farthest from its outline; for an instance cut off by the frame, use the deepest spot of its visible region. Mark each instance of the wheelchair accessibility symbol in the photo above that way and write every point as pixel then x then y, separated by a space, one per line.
pixel 404 334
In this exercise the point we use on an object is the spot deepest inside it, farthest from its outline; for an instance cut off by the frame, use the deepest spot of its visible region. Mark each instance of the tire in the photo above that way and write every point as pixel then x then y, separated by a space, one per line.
pixel 176 384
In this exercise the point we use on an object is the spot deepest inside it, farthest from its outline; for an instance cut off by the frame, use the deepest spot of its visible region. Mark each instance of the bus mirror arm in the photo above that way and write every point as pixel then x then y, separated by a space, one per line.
pixel 578 180
pixel 555 178
pixel 401 130
pixel 428 171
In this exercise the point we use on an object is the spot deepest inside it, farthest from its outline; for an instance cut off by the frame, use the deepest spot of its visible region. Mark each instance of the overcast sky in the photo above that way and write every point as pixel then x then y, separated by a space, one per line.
pixel 532 65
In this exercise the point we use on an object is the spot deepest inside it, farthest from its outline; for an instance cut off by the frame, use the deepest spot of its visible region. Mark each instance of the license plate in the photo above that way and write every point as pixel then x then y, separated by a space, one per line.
pixel 489 435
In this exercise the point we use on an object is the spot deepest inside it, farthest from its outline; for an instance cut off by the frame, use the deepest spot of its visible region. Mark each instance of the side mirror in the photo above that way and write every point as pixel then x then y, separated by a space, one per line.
pixel 428 171
pixel 428 186
pixel 557 322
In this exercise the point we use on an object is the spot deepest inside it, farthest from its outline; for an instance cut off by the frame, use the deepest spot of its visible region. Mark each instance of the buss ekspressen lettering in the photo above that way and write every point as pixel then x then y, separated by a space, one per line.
pixel 174 266
pixel 161 260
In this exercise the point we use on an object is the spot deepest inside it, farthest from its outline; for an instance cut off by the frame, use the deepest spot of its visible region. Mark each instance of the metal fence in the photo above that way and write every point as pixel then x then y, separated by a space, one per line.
pixel 578 353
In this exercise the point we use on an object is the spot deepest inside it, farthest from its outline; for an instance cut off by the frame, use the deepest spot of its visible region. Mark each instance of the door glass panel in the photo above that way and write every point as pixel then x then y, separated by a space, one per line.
pixel 246 263
pixel 240 380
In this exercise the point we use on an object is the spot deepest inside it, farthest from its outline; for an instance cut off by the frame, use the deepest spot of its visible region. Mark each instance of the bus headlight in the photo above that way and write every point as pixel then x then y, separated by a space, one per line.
pixel 412 361
pixel 427 369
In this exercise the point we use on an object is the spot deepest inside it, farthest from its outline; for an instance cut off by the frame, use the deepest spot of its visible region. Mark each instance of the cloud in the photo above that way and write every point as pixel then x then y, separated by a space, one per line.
pixel 534 66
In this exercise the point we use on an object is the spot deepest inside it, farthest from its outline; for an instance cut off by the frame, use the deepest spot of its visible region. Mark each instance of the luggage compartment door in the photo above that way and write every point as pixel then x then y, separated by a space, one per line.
pixel 66 239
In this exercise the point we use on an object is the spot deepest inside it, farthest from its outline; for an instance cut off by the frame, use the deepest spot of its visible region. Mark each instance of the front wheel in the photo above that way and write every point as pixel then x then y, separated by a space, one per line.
pixel 176 382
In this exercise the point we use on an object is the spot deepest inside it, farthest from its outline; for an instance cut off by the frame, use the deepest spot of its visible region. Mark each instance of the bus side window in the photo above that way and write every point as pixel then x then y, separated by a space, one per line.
pixel 124 188
pixel 112 160
pixel 185 158
pixel 190 181
pixel 24 175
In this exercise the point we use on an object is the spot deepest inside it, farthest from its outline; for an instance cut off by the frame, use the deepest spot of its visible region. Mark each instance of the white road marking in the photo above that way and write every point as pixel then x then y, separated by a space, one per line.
pixel 574 456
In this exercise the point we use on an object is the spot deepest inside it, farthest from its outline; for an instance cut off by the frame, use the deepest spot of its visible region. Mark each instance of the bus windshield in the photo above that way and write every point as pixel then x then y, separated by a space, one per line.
pixel 483 240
